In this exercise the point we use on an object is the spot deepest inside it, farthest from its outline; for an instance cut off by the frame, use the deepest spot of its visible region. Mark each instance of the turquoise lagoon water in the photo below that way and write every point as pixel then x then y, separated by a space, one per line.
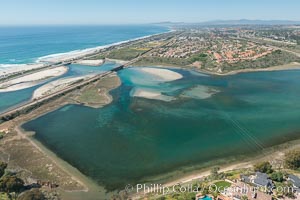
pixel 211 117
pixel 27 44
pixel 9 100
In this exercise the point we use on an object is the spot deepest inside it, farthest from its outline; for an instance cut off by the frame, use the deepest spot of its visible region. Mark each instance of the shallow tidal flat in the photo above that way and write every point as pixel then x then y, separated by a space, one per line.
pixel 75 73
pixel 208 118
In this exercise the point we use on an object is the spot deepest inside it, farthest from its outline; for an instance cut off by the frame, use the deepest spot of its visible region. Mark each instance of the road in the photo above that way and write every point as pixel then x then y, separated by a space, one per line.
pixel 10 114
pixel 257 41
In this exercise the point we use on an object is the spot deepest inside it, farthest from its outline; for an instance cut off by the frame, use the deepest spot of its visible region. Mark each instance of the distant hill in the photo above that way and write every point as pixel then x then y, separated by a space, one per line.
pixel 236 22
pixel 250 22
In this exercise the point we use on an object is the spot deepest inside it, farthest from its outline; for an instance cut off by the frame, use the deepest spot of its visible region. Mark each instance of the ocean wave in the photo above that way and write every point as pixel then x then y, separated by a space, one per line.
pixel 75 53
pixel 79 52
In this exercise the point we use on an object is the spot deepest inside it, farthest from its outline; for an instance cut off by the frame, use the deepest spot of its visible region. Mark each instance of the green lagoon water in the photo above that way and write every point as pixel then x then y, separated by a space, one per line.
pixel 211 117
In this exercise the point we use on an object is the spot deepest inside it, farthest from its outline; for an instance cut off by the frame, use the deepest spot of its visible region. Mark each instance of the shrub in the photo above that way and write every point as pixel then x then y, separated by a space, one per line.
pixel 11 184
pixel 33 194
pixel 264 167
pixel 277 176
pixel 292 159
pixel 3 166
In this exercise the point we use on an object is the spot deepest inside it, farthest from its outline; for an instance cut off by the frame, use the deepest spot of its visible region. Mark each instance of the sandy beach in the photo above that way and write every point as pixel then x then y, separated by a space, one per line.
pixel 31 79
pixel 72 55
pixel 8 69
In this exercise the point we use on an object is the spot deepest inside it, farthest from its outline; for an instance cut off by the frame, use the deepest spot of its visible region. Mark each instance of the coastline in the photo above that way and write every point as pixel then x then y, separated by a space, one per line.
pixel 90 188
pixel 59 57
pixel 182 178
pixel 74 185
pixel 289 66
pixel 271 153
pixel 44 61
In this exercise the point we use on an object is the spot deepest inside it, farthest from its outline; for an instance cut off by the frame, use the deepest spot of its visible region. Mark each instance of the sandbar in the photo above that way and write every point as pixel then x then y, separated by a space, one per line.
pixel 90 62
pixel 31 79
pixel 150 94
pixel 164 74
pixel 56 85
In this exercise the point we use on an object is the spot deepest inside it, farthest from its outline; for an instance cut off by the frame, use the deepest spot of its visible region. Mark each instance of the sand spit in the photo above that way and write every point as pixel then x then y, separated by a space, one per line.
pixel 31 79
pixel 56 85
pixel 90 62
pixel 164 74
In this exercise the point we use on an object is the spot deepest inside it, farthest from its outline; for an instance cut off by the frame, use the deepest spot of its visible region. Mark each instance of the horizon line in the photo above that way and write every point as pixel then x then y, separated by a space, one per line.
pixel 146 23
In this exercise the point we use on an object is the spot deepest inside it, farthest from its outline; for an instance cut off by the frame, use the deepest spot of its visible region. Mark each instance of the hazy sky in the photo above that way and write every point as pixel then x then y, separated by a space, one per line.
pixel 142 11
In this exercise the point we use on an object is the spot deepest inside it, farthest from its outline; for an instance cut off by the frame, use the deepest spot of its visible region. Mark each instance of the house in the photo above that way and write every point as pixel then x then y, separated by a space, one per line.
pixel 250 192
pixel 294 180
pixel 245 179
pixel 259 180
pixel 262 180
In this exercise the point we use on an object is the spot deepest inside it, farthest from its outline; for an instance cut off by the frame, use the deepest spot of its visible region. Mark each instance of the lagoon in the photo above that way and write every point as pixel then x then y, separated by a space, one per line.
pixel 210 118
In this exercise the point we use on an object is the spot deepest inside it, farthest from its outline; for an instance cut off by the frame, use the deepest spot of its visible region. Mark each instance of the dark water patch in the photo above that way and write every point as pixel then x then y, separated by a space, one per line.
pixel 135 138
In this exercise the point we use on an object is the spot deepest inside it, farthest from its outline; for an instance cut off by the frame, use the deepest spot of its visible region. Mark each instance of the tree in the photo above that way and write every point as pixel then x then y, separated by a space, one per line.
pixel 277 176
pixel 10 184
pixel 214 173
pixel 3 166
pixel 33 194
pixel 264 167
pixel 244 197
pixel 292 159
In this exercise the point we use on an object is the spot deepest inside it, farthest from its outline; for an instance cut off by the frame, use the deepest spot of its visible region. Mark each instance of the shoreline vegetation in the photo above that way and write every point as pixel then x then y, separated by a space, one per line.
pixel 74 184
pixel 289 66
pixel 35 162
pixel 184 175
pixel 275 156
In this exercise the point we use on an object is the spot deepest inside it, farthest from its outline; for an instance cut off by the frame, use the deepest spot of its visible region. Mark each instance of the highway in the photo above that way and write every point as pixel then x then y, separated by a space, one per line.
pixel 30 105
pixel 10 114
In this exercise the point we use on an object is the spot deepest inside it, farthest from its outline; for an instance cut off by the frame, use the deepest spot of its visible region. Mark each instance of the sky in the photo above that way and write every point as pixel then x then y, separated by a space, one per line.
pixel 38 12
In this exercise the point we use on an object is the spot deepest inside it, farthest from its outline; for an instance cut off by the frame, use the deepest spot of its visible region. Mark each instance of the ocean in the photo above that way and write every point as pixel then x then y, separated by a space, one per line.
pixel 23 45
pixel 134 139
